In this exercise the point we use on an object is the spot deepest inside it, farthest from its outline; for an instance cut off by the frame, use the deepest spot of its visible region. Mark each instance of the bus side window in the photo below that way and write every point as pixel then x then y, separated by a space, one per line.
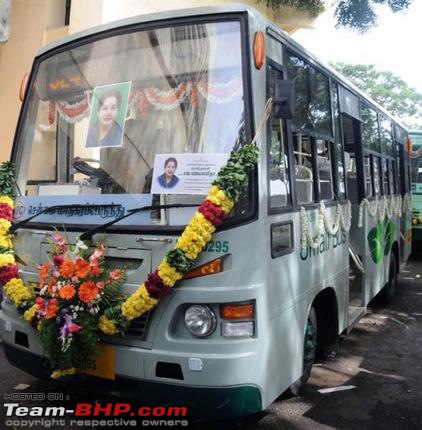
pixel 368 176
pixel 324 163
pixel 278 166
pixel 377 172
pixel 392 176
pixel 304 178
pixel 384 176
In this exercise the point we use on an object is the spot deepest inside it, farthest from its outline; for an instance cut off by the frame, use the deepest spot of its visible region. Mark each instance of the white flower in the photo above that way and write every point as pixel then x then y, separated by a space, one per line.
pixel 81 245
pixel 74 315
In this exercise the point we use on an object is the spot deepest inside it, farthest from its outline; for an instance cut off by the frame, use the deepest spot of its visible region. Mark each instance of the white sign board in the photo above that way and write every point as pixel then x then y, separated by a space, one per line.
pixel 186 173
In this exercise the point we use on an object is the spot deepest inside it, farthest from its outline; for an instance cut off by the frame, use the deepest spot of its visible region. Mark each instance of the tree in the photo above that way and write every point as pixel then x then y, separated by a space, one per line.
pixel 387 89
pixel 358 15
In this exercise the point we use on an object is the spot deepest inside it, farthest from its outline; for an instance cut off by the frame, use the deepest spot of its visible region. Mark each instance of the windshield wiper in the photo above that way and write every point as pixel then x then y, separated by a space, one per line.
pixel 22 223
pixel 101 228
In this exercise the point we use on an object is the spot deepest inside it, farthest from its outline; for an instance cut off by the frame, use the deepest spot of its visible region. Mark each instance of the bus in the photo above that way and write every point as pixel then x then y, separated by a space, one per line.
pixel 322 227
pixel 416 163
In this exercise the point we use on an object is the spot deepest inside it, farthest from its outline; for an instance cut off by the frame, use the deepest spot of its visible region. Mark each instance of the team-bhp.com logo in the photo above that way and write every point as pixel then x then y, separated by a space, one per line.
pixel 83 414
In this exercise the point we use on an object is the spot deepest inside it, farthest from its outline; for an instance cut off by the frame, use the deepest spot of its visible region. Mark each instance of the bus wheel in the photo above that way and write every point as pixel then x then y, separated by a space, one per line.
pixel 309 349
pixel 387 293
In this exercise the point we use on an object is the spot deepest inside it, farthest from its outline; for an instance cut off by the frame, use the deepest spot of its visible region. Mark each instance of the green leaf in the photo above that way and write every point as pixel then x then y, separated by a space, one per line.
pixel 388 237
pixel 374 243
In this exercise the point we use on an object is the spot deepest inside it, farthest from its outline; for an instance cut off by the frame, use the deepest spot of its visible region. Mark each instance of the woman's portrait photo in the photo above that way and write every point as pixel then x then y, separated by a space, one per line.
pixel 108 115
pixel 169 179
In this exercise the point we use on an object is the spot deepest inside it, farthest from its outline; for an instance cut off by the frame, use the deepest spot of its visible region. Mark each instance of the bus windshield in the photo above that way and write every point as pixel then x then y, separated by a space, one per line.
pixel 148 112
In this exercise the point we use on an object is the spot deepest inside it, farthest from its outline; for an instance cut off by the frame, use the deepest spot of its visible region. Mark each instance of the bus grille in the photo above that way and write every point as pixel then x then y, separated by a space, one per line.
pixel 139 327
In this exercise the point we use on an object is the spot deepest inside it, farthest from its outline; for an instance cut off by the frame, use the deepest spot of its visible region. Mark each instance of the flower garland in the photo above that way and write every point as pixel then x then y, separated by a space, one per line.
pixel 73 112
pixel 343 220
pixel 382 207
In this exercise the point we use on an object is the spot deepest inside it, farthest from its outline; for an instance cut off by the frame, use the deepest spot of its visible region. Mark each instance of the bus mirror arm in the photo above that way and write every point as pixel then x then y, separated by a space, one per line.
pixel 284 99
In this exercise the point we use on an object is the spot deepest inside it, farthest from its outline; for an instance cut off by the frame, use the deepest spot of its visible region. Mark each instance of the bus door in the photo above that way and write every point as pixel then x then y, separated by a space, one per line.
pixel 355 182
pixel 404 186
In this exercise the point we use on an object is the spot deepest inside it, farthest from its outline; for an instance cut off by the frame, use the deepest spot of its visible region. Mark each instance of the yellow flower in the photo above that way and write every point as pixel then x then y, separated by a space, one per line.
pixel 6 259
pixel 168 274
pixel 5 241
pixel 63 372
pixel 30 313
pixel 7 200
pixel 138 303
pixel 220 198
pixel 4 226
pixel 107 325
pixel 17 292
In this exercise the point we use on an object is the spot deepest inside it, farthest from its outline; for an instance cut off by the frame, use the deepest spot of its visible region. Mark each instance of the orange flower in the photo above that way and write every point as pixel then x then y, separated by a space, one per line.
pixel 67 292
pixel 67 269
pixel 52 283
pixel 51 309
pixel 44 270
pixel 88 291
pixel 82 268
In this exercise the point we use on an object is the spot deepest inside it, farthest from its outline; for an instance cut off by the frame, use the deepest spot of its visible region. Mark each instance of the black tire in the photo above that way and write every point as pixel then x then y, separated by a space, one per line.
pixel 309 352
pixel 387 293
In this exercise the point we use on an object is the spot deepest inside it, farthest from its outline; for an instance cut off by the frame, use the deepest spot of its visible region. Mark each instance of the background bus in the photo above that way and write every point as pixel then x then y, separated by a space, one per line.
pixel 301 260
pixel 416 161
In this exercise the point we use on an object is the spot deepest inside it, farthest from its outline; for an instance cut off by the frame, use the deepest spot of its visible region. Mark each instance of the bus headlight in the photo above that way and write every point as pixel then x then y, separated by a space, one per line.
pixel 200 320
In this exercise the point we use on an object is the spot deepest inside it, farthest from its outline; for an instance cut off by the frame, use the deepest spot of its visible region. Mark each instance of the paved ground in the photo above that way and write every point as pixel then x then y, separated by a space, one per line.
pixel 382 358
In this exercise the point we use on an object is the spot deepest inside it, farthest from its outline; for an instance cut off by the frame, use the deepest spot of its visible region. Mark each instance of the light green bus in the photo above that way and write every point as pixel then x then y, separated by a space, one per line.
pixel 321 230
pixel 416 162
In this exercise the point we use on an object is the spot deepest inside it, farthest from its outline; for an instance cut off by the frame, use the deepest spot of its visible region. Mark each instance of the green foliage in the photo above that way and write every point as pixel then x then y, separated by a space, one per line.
pixel 360 15
pixel 387 89
pixel 233 177
pixel 7 179
pixel 177 259
pixel 313 7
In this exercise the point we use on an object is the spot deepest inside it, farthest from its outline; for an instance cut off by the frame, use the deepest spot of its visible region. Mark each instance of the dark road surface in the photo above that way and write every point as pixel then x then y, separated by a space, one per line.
pixel 381 358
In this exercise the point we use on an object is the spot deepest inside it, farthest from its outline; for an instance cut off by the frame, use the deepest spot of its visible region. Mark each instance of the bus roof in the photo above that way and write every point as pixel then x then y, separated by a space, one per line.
pixel 214 10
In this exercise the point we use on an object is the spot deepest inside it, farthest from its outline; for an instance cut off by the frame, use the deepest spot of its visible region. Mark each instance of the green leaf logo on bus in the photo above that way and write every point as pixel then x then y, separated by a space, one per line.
pixel 379 235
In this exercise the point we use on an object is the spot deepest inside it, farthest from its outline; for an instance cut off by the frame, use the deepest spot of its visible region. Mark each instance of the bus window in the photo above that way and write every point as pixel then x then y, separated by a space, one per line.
pixel 386 137
pixel 338 143
pixel 313 111
pixel 304 178
pixel 324 169
pixel 368 176
pixel 370 128
pixel 392 176
pixel 377 172
pixel 279 187
pixel 384 175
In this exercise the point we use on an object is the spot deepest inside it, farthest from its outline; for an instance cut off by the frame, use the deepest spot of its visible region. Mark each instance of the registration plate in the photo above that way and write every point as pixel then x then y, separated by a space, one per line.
pixel 101 364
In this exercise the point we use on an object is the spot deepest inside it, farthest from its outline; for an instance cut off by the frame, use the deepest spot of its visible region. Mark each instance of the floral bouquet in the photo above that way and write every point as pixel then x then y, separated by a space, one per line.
pixel 76 291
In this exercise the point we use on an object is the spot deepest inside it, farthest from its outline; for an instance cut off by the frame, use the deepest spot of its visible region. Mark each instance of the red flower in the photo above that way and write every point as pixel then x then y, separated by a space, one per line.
pixel 6 211
pixel 7 273
pixel 96 271
pixel 58 260
pixel 155 286
pixel 211 212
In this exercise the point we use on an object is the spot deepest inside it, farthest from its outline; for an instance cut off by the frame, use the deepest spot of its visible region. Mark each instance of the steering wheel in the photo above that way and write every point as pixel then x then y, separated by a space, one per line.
pixel 98 176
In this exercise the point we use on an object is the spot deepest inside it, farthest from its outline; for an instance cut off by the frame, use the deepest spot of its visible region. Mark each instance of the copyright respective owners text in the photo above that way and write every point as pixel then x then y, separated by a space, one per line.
pixel 22 410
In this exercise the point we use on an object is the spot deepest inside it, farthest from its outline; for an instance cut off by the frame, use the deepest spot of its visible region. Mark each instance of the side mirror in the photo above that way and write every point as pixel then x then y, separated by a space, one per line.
pixel 284 99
